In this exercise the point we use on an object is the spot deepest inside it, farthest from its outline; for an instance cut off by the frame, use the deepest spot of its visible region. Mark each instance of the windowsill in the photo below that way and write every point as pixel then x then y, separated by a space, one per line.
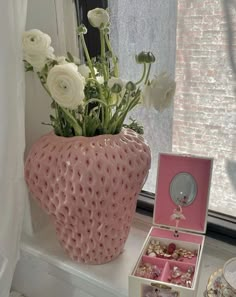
pixel 46 257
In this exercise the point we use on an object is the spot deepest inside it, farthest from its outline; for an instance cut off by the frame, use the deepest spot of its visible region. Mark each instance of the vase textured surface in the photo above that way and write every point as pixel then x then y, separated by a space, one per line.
pixel 89 186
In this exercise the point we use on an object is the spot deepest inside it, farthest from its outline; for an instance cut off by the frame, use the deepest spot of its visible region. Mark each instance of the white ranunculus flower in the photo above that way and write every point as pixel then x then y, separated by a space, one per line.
pixel 98 17
pixel 84 70
pixel 37 61
pixel 115 80
pixel 34 41
pixel 76 60
pixel 100 79
pixel 66 85
pixel 61 60
pixel 36 47
pixel 159 93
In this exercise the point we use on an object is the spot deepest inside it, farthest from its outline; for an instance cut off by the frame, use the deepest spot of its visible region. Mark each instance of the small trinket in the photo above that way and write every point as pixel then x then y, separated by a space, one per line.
pixel 181 278
pixel 176 272
pixel 153 241
pixel 188 284
pixel 147 270
pixel 171 248
pixel 175 256
pixel 186 276
pixel 190 269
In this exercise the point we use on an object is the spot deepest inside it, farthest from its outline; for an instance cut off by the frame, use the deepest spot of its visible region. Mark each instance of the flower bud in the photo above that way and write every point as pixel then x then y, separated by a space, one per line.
pixel 115 84
pixel 130 86
pixel 150 57
pixel 145 57
pixel 106 29
pixel 141 57
pixel 98 18
pixel 116 88
pixel 82 29
pixel 109 54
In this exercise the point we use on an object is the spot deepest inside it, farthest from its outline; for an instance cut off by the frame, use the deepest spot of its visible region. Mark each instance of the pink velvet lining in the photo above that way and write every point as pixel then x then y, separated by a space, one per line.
pixel 200 169
pixel 188 237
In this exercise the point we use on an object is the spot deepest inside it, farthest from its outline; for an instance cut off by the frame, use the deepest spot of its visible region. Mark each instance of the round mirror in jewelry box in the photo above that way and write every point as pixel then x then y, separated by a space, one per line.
pixel 170 258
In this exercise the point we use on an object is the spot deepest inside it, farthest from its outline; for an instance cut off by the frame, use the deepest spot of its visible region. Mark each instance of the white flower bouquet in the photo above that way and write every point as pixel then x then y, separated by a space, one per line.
pixel 91 99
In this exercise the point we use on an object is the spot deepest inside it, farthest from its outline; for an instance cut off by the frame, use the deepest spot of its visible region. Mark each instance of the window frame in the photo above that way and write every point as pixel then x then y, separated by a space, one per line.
pixel 219 226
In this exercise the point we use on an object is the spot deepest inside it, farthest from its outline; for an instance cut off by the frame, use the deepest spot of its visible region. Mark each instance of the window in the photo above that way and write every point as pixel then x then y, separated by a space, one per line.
pixel 156 33
pixel 205 102
pixel 195 41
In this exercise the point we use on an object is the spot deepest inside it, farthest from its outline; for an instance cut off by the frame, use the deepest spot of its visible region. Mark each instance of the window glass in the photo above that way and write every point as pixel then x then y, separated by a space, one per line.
pixel 205 102
pixel 149 25
pixel 202 120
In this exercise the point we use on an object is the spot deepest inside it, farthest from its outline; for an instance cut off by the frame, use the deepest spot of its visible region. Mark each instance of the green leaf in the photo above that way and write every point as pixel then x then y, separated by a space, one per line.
pixel 134 125
pixel 70 57
pixel 27 69
pixel 46 124
pixel 91 124
pixel 72 121
pixel 52 118
pixel 53 104
pixel 45 69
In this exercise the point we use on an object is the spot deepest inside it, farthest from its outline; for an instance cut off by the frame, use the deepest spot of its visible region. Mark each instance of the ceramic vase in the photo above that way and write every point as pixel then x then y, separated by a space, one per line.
pixel 89 186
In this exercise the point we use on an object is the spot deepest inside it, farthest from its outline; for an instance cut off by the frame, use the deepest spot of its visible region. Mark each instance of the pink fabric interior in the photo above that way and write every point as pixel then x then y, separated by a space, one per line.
pixel 162 233
pixel 169 266
pixel 166 266
pixel 154 261
pixel 200 169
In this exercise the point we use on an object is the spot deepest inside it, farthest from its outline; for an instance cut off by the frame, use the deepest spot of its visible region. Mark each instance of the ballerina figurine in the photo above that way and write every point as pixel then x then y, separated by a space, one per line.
pixel 177 216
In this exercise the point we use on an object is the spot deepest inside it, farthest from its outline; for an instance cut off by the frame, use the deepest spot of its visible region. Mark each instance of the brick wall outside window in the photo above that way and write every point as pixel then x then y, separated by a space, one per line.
pixel 205 101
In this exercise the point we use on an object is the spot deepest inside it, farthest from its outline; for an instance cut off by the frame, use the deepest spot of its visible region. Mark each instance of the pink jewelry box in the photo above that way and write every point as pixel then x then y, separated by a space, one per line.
pixel 170 259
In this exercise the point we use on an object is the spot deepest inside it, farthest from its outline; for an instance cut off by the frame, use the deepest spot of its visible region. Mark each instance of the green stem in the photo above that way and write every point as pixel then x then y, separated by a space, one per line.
pixel 103 58
pixel 70 117
pixel 113 120
pixel 121 119
pixel 56 108
pixel 72 121
pixel 114 59
pixel 95 100
pixel 87 56
pixel 143 75
pixel 148 73
pixel 44 86
pixel 103 115
pixel 84 129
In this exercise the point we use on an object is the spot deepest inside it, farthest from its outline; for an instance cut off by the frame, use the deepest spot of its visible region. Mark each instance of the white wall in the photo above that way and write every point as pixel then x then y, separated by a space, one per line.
pixel 56 18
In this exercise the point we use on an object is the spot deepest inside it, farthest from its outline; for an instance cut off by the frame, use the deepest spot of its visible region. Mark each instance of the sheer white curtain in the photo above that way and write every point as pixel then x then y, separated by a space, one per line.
pixel 12 137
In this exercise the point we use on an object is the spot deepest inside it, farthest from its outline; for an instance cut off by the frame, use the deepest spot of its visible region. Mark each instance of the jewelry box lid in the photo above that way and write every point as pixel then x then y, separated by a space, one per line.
pixel 182 192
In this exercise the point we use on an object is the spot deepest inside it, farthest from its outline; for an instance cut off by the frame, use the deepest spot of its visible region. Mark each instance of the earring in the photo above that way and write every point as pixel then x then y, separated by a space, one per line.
pixel 188 284
pixel 176 272
pixel 146 270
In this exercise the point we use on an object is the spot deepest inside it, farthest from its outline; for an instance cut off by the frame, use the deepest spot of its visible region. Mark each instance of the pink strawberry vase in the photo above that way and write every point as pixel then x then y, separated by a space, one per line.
pixel 89 186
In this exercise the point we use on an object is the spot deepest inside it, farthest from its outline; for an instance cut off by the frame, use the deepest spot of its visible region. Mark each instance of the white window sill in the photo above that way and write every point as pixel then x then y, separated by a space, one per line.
pixel 45 270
